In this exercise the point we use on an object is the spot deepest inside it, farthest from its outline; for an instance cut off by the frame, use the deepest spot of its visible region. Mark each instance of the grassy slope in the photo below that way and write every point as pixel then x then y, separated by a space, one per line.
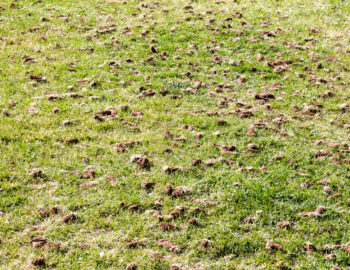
pixel 65 41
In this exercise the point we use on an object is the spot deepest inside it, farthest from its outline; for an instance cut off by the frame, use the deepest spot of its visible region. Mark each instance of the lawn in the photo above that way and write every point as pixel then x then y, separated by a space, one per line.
pixel 174 134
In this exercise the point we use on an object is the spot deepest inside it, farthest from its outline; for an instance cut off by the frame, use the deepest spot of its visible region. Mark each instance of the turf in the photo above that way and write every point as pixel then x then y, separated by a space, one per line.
pixel 221 127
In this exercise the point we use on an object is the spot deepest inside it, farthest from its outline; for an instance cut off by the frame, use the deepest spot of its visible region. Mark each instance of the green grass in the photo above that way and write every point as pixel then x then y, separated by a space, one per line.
pixel 207 55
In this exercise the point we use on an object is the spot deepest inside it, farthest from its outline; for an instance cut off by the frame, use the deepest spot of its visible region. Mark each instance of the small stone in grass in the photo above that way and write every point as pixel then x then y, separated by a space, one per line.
pixel 69 123
pixel 144 162
pixel 38 261
pixel 169 245
pixel 5 112
pixel 168 189
pixel 328 247
pixel 167 226
pixel 199 136
pixel 164 91
pixel 54 210
pixel 131 266
pixel 248 220
pixel 222 122
pixel 182 208
pixel 175 214
pixel 202 201
pixel 283 224
pixel 330 256
pixel 251 132
pixel 253 147
pixel 12 103
pixel 158 256
pixel 273 246
pixel 327 189
pixel 38 241
pixel 204 244
pixel 72 141
pixel 193 221
pixel 43 212
pixel 309 247
pixel 54 245
pixel 69 218
pixel 133 207
pixel 153 49
pixel 335 195
pixel 158 214
pixel 36 172
pixel 168 135
pixel 216 133
pixel 180 191
pixel 134 244
pixel 89 173
pixel 158 202
pixel 317 212
pixel 170 170
pixel 324 182
pixel 148 185
pixel 88 184
pixel 196 162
